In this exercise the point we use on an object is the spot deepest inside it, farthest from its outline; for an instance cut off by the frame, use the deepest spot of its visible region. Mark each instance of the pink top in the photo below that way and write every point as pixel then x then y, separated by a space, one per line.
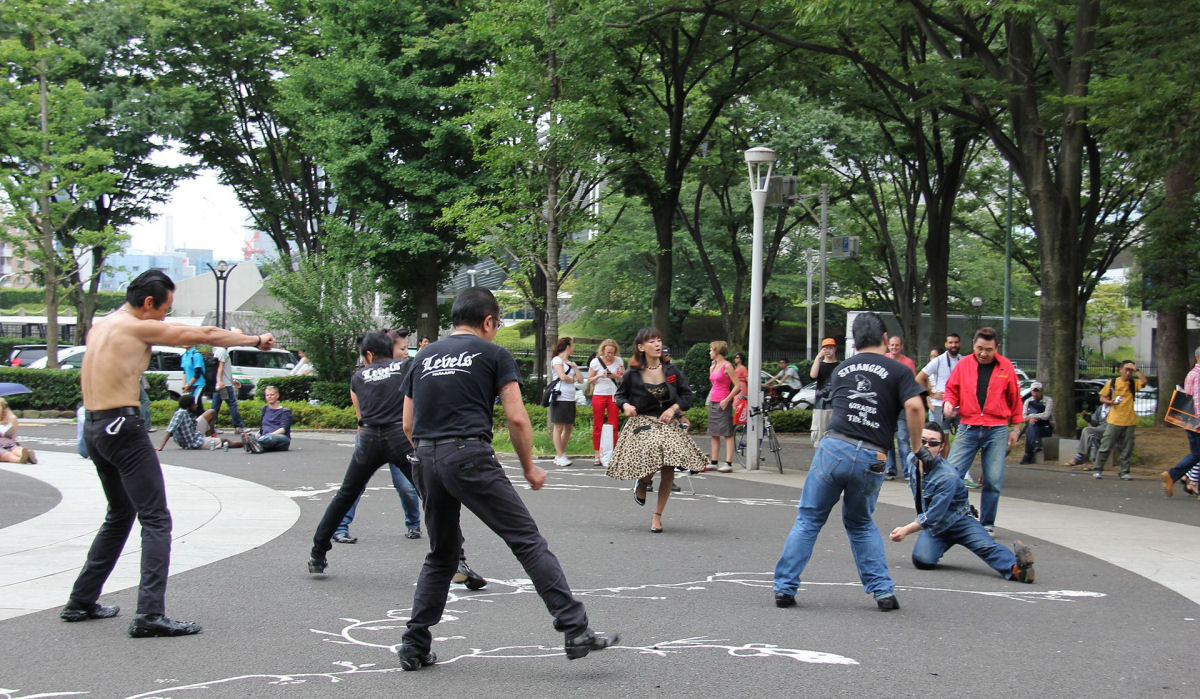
pixel 721 385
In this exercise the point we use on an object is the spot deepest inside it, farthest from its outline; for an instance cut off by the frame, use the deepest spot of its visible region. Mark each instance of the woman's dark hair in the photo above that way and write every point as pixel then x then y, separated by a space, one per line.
pixel 868 330
pixel 638 360
pixel 472 306
pixel 741 356
pixel 377 343
pixel 562 344
pixel 153 284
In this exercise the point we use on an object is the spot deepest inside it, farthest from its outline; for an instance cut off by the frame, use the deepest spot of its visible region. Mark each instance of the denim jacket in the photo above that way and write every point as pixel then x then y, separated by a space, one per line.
pixel 943 494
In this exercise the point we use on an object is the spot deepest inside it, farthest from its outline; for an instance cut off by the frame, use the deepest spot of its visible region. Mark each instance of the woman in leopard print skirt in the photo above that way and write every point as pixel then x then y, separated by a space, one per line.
pixel 653 396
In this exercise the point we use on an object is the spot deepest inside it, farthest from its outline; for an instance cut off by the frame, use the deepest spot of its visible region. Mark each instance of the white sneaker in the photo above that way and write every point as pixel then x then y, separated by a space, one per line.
pixel 725 468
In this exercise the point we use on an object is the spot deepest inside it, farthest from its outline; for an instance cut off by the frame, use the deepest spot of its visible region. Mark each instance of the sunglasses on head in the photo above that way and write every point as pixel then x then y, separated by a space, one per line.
pixel 931 443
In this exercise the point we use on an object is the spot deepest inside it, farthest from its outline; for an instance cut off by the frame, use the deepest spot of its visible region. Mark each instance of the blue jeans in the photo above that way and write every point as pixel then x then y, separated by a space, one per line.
pixel 839 470
pixel 1190 460
pixel 1033 438
pixel 230 396
pixel 964 531
pixel 409 500
pixel 275 442
pixel 992 444
pixel 904 445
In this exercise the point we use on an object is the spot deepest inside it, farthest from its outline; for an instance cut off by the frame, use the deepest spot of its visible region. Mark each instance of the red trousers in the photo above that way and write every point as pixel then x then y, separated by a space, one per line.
pixel 602 407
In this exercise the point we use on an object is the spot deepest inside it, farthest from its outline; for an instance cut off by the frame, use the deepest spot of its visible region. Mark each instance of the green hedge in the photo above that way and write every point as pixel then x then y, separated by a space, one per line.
pixel 785 421
pixel 53 389
pixel 333 393
pixel 291 388
pixel 304 415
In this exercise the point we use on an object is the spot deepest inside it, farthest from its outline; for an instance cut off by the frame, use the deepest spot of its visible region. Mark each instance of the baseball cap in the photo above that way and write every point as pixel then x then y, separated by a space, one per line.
pixel 1036 386
pixel 829 342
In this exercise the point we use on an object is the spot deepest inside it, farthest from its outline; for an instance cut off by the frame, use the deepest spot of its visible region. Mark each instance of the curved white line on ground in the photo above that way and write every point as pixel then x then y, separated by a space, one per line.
pixel 1164 552
pixel 214 517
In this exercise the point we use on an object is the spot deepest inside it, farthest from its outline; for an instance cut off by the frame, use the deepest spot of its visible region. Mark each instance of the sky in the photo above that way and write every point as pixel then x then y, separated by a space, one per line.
pixel 206 215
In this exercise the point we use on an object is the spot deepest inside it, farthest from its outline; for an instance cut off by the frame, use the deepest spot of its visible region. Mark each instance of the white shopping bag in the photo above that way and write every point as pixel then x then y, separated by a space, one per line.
pixel 606 444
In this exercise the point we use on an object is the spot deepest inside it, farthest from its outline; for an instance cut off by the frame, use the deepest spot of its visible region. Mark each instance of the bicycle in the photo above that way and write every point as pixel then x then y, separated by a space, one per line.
pixel 769 435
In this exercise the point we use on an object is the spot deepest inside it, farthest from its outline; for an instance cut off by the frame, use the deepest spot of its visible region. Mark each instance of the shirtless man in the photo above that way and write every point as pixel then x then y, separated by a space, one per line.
pixel 118 353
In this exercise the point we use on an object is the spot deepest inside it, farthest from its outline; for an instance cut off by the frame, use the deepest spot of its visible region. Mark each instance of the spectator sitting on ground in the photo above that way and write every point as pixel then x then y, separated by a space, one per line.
pixel 1039 421
pixel 11 450
pixel 1089 436
pixel 275 434
pixel 189 425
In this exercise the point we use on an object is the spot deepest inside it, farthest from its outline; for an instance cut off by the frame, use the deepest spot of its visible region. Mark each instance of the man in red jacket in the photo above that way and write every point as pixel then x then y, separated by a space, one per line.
pixel 983 390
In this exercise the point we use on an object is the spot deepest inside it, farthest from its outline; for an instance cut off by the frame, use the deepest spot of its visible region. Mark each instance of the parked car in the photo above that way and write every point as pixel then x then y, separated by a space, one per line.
pixel 250 366
pixel 68 358
pixel 24 355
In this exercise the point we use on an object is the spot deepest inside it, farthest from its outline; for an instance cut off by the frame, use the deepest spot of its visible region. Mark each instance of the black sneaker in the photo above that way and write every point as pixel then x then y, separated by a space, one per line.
pixel 1023 570
pixel 96 611
pixel 784 600
pixel 586 642
pixel 157 625
pixel 317 565
pixel 465 576
pixel 887 603
pixel 414 533
pixel 413 659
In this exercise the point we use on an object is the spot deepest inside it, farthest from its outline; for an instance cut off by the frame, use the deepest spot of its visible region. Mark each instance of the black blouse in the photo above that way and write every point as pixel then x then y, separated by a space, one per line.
pixel 634 390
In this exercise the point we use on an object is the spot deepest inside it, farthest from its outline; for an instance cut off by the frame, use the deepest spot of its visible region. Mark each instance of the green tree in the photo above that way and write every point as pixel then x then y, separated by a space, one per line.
pixel 48 170
pixel 1108 315
pixel 326 308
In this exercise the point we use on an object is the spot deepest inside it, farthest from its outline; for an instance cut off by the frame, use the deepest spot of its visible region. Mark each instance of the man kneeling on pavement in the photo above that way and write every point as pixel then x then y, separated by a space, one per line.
pixel 944 515
pixel 190 427
pixel 275 432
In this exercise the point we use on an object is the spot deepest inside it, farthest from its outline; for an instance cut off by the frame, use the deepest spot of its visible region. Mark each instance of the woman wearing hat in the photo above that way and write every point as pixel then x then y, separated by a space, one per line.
pixel 822 371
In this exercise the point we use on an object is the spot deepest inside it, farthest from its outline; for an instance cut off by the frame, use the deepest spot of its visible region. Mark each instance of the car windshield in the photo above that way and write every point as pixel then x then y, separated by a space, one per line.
pixel 261 360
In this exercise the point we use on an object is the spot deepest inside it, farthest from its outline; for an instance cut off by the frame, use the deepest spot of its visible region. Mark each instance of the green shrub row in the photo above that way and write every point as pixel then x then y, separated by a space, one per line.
pixel 785 421
pixel 58 389
pixel 318 417
pixel 291 388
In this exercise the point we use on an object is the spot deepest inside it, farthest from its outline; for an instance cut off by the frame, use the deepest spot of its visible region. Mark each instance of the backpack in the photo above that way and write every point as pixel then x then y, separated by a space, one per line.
pixel 210 373
pixel 551 393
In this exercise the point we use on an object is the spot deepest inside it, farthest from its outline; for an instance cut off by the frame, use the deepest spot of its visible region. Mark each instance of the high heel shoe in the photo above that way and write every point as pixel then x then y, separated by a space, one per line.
pixel 658 529
pixel 639 493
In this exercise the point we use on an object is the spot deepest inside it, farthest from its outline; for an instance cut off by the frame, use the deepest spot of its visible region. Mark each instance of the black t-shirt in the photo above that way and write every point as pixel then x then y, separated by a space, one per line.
pixel 454 383
pixel 981 385
pixel 869 391
pixel 378 388
pixel 824 371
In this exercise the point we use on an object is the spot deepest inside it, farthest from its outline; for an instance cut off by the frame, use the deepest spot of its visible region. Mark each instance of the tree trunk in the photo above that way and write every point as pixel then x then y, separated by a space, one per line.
pixel 425 288
pixel 1170 344
pixel 664 269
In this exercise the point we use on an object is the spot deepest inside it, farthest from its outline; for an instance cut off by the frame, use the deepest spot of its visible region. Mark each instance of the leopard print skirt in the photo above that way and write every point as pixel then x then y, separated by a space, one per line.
pixel 646 445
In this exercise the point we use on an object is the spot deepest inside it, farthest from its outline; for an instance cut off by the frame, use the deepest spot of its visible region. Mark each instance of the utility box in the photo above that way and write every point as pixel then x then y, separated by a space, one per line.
pixel 781 191
pixel 843 247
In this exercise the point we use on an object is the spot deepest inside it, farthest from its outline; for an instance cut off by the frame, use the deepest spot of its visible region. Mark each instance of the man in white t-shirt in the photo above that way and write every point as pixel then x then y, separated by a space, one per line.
pixel 225 390
pixel 934 376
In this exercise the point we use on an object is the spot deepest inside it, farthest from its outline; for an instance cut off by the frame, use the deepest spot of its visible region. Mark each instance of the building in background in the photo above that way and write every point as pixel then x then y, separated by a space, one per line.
pixel 15 272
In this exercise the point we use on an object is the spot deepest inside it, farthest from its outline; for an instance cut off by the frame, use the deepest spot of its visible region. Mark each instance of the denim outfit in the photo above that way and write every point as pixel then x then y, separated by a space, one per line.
pixel 903 448
pixel 992 444
pixel 230 396
pixel 839 470
pixel 946 521
pixel 457 473
pixel 1190 460
pixel 274 442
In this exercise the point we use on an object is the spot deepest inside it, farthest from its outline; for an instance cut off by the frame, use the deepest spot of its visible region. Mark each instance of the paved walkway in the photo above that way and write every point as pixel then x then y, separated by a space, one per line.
pixel 214 516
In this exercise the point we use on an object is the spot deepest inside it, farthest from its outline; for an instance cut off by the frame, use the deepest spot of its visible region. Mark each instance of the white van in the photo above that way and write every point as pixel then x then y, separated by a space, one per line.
pixel 250 366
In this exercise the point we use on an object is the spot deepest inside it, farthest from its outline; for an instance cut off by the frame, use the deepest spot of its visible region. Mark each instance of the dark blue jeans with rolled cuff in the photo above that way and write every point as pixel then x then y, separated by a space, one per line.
pixel 466 473
pixel 375 446
pixel 852 473
pixel 1189 460
pixel 965 531
pixel 229 396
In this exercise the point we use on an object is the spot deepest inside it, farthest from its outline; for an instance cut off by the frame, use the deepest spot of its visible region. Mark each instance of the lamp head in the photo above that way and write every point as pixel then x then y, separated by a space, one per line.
pixel 222 267
pixel 977 302
pixel 760 155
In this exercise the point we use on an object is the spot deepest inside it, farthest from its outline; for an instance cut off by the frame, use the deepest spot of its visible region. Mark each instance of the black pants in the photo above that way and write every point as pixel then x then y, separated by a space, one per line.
pixel 133 484
pixel 467 473
pixel 374 447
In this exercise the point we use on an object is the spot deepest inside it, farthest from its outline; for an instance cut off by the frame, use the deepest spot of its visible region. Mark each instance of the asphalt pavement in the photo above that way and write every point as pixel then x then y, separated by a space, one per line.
pixel 1113 612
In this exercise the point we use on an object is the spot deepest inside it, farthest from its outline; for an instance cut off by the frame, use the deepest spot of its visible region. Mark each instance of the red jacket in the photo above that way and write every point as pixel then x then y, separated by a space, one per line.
pixel 1003 404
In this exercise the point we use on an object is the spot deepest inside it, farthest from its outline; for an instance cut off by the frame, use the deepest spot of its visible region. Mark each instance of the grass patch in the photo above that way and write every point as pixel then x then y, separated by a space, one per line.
pixel 543 446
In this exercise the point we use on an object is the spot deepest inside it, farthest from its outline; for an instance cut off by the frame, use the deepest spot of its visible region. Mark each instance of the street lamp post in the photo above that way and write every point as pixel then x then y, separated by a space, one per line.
pixel 222 272
pixel 977 314
pixel 471 273
pixel 759 162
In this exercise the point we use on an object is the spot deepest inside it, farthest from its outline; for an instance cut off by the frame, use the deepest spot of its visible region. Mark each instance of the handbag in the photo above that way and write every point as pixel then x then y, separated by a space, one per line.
pixel 740 408
pixel 1182 412
pixel 551 393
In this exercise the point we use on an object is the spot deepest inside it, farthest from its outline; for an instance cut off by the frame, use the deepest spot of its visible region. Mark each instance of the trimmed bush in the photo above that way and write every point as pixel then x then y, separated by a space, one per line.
pixel 158 387
pixel 304 416
pixel 695 369
pixel 53 389
pixel 291 388
pixel 791 421
pixel 333 393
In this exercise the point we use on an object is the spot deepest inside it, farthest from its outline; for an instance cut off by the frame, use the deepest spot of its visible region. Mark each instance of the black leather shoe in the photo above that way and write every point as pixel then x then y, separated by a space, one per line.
pixel 784 600
pixel 413 659
pixel 468 577
pixel 345 538
pixel 96 611
pixel 150 625
pixel 586 642
pixel 887 604
pixel 412 534
pixel 316 566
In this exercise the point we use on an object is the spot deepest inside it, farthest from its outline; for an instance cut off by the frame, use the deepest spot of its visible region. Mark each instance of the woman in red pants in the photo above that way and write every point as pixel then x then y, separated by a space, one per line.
pixel 604 373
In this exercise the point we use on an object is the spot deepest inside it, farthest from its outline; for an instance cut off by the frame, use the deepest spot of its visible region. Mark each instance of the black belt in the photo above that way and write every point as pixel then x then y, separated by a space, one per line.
pixel 450 440
pixel 129 410
pixel 380 425
pixel 857 442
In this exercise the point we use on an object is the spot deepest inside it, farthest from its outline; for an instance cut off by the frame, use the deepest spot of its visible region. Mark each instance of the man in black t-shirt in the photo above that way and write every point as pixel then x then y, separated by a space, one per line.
pixel 448 414
pixel 375 391
pixel 869 390
pixel 822 370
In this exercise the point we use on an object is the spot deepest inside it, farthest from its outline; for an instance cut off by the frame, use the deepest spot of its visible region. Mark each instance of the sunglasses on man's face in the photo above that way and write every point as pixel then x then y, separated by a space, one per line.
pixel 930 443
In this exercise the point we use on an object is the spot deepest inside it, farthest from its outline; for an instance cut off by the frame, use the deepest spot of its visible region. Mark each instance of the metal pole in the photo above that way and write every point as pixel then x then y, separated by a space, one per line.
pixel 808 263
pixel 824 257
pixel 755 159
pixel 1007 268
